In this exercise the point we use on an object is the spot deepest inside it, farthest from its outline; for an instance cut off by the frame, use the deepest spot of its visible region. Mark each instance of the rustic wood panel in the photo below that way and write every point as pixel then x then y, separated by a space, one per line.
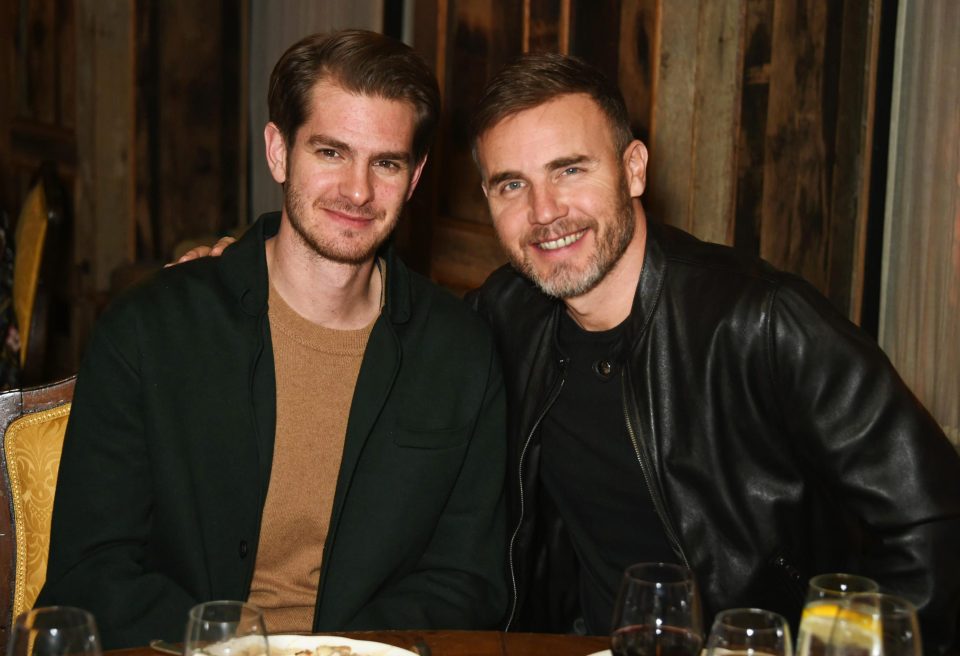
pixel 920 296
pixel 797 175
pixel 191 100
pixel 753 121
pixel 849 203
pixel 104 214
pixel 670 170
pixel 546 26
pixel 637 54
pixel 37 96
pixel 716 120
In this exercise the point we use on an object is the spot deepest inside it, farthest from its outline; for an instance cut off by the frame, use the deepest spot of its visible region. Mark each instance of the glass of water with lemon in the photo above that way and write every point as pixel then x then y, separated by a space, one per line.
pixel 823 606
pixel 875 624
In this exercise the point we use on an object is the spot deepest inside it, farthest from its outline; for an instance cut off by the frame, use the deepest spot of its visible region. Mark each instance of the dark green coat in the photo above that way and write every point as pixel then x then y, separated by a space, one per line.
pixel 167 459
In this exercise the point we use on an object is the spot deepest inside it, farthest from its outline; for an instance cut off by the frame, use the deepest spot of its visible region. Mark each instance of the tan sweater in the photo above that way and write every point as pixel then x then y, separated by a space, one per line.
pixel 316 371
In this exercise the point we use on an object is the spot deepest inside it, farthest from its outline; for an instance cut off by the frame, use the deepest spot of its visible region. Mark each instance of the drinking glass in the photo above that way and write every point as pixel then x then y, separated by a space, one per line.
pixel 54 631
pixel 823 598
pixel 749 632
pixel 225 628
pixel 657 612
pixel 875 624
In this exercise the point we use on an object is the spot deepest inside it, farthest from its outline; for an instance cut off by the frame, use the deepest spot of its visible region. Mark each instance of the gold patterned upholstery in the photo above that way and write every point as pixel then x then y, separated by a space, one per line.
pixel 31 233
pixel 33 421
pixel 33 444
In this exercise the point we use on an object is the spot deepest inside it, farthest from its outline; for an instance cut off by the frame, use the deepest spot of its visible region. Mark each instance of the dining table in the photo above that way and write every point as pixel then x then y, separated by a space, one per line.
pixel 461 643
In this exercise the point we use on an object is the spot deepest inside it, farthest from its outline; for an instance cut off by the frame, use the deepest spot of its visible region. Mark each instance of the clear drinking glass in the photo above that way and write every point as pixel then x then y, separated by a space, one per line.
pixel 54 631
pixel 225 628
pixel 823 597
pixel 749 632
pixel 657 612
pixel 875 624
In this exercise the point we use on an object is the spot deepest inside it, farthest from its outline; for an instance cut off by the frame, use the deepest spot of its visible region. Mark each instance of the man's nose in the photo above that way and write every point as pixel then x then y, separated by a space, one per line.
pixel 357 185
pixel 545 205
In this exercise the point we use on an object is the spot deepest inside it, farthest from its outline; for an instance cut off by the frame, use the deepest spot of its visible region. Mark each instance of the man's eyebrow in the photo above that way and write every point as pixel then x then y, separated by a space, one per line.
pixel 398 155
pixel 564 162
pixel 319 140
pixel 502 176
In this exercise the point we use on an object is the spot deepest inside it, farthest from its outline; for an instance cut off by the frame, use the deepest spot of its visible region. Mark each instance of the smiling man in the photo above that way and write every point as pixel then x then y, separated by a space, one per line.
pixel 303 422
pixel 674 400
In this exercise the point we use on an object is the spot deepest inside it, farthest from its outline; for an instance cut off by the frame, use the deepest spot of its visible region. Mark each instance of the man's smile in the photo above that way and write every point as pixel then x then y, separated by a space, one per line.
pixel 561 242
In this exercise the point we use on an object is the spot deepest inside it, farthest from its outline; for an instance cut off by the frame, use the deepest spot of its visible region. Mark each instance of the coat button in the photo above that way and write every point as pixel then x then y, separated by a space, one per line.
pixel 243 549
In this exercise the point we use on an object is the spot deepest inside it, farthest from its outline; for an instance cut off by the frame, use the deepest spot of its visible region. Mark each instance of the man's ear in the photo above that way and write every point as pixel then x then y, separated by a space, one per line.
pixel 415 178
pixel 635 167
pixel 276 152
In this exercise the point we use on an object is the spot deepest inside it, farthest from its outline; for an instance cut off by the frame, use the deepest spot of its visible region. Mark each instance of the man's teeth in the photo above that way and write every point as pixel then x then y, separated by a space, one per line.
pixel 561 242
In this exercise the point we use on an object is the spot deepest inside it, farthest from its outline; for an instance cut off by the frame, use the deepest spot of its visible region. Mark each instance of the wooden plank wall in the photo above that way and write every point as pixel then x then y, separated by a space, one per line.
pixel 38 91
pixel 757 113
pixel 139 104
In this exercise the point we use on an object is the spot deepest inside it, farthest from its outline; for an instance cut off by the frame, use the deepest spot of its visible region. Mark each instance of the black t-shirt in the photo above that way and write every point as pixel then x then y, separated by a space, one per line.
pixel 590 470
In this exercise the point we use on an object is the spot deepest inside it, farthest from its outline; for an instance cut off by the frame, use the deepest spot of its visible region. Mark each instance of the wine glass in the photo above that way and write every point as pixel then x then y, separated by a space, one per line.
pixel 54 631
pixel 749 631
pixel 875 624
pixel 823 598
pixel 225 628
pixel 657 612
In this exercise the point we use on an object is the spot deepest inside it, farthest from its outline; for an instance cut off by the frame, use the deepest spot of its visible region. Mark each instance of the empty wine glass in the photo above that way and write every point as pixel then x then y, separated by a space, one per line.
pixel 657 612
pixel 874 624
pixel 225 628
pixel 54 631
pixel 749 632
pixel 823 597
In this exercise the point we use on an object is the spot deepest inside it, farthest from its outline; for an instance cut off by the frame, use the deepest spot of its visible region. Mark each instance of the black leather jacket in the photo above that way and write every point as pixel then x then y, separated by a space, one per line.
pixel 775 438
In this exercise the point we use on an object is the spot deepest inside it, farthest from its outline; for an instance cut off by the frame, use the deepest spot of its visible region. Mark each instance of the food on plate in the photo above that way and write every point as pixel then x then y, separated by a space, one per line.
pixel 320 650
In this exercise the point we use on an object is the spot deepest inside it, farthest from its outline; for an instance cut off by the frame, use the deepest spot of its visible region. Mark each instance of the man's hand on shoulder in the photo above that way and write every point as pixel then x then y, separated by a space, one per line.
pixel 204 251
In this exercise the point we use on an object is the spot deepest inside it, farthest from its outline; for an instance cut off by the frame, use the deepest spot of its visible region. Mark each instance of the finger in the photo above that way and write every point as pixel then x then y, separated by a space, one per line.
pixel 192 254
pixel 219 247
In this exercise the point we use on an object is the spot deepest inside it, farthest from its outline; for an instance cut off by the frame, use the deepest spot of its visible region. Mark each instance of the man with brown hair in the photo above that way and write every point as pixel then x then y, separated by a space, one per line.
pixel 675 400
pixel 302 422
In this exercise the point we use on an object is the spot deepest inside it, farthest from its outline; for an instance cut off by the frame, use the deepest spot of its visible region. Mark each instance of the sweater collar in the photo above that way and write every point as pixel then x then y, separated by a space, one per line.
pixel 243 269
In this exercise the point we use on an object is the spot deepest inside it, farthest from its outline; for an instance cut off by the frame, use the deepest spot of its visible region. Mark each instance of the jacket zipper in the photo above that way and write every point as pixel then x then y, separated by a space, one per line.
pixel 647 471
pixel 523 453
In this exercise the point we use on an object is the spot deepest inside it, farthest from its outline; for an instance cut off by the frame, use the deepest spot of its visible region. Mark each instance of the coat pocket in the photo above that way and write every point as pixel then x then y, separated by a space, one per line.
pixel 445 438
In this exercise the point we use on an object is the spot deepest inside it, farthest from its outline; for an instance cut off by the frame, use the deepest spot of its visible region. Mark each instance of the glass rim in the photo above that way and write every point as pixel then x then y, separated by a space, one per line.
pixel 75 616
pixel 885 600
pixel 196 612
pixel 865 583
pixel 668 573
pixel 774 621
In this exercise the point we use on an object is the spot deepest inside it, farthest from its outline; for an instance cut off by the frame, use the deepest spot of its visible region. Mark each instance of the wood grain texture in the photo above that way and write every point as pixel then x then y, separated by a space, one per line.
pixel 670 171
pixel 716 120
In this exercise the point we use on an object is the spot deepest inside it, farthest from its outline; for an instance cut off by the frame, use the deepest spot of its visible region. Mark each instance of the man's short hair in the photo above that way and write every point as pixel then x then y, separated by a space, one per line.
pixel 534 79
pixel 361 62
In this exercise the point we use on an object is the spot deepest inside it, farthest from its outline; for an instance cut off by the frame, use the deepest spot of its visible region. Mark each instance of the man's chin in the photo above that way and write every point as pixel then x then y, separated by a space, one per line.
pixel 562 283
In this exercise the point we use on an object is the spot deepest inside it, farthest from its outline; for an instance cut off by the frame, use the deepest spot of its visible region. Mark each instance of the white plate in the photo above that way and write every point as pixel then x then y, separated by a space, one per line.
pixel 287 644
pixel 605 652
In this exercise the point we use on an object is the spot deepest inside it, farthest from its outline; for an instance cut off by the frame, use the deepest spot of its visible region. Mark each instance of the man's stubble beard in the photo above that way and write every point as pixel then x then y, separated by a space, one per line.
pixel 296 207
pixel 565 281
